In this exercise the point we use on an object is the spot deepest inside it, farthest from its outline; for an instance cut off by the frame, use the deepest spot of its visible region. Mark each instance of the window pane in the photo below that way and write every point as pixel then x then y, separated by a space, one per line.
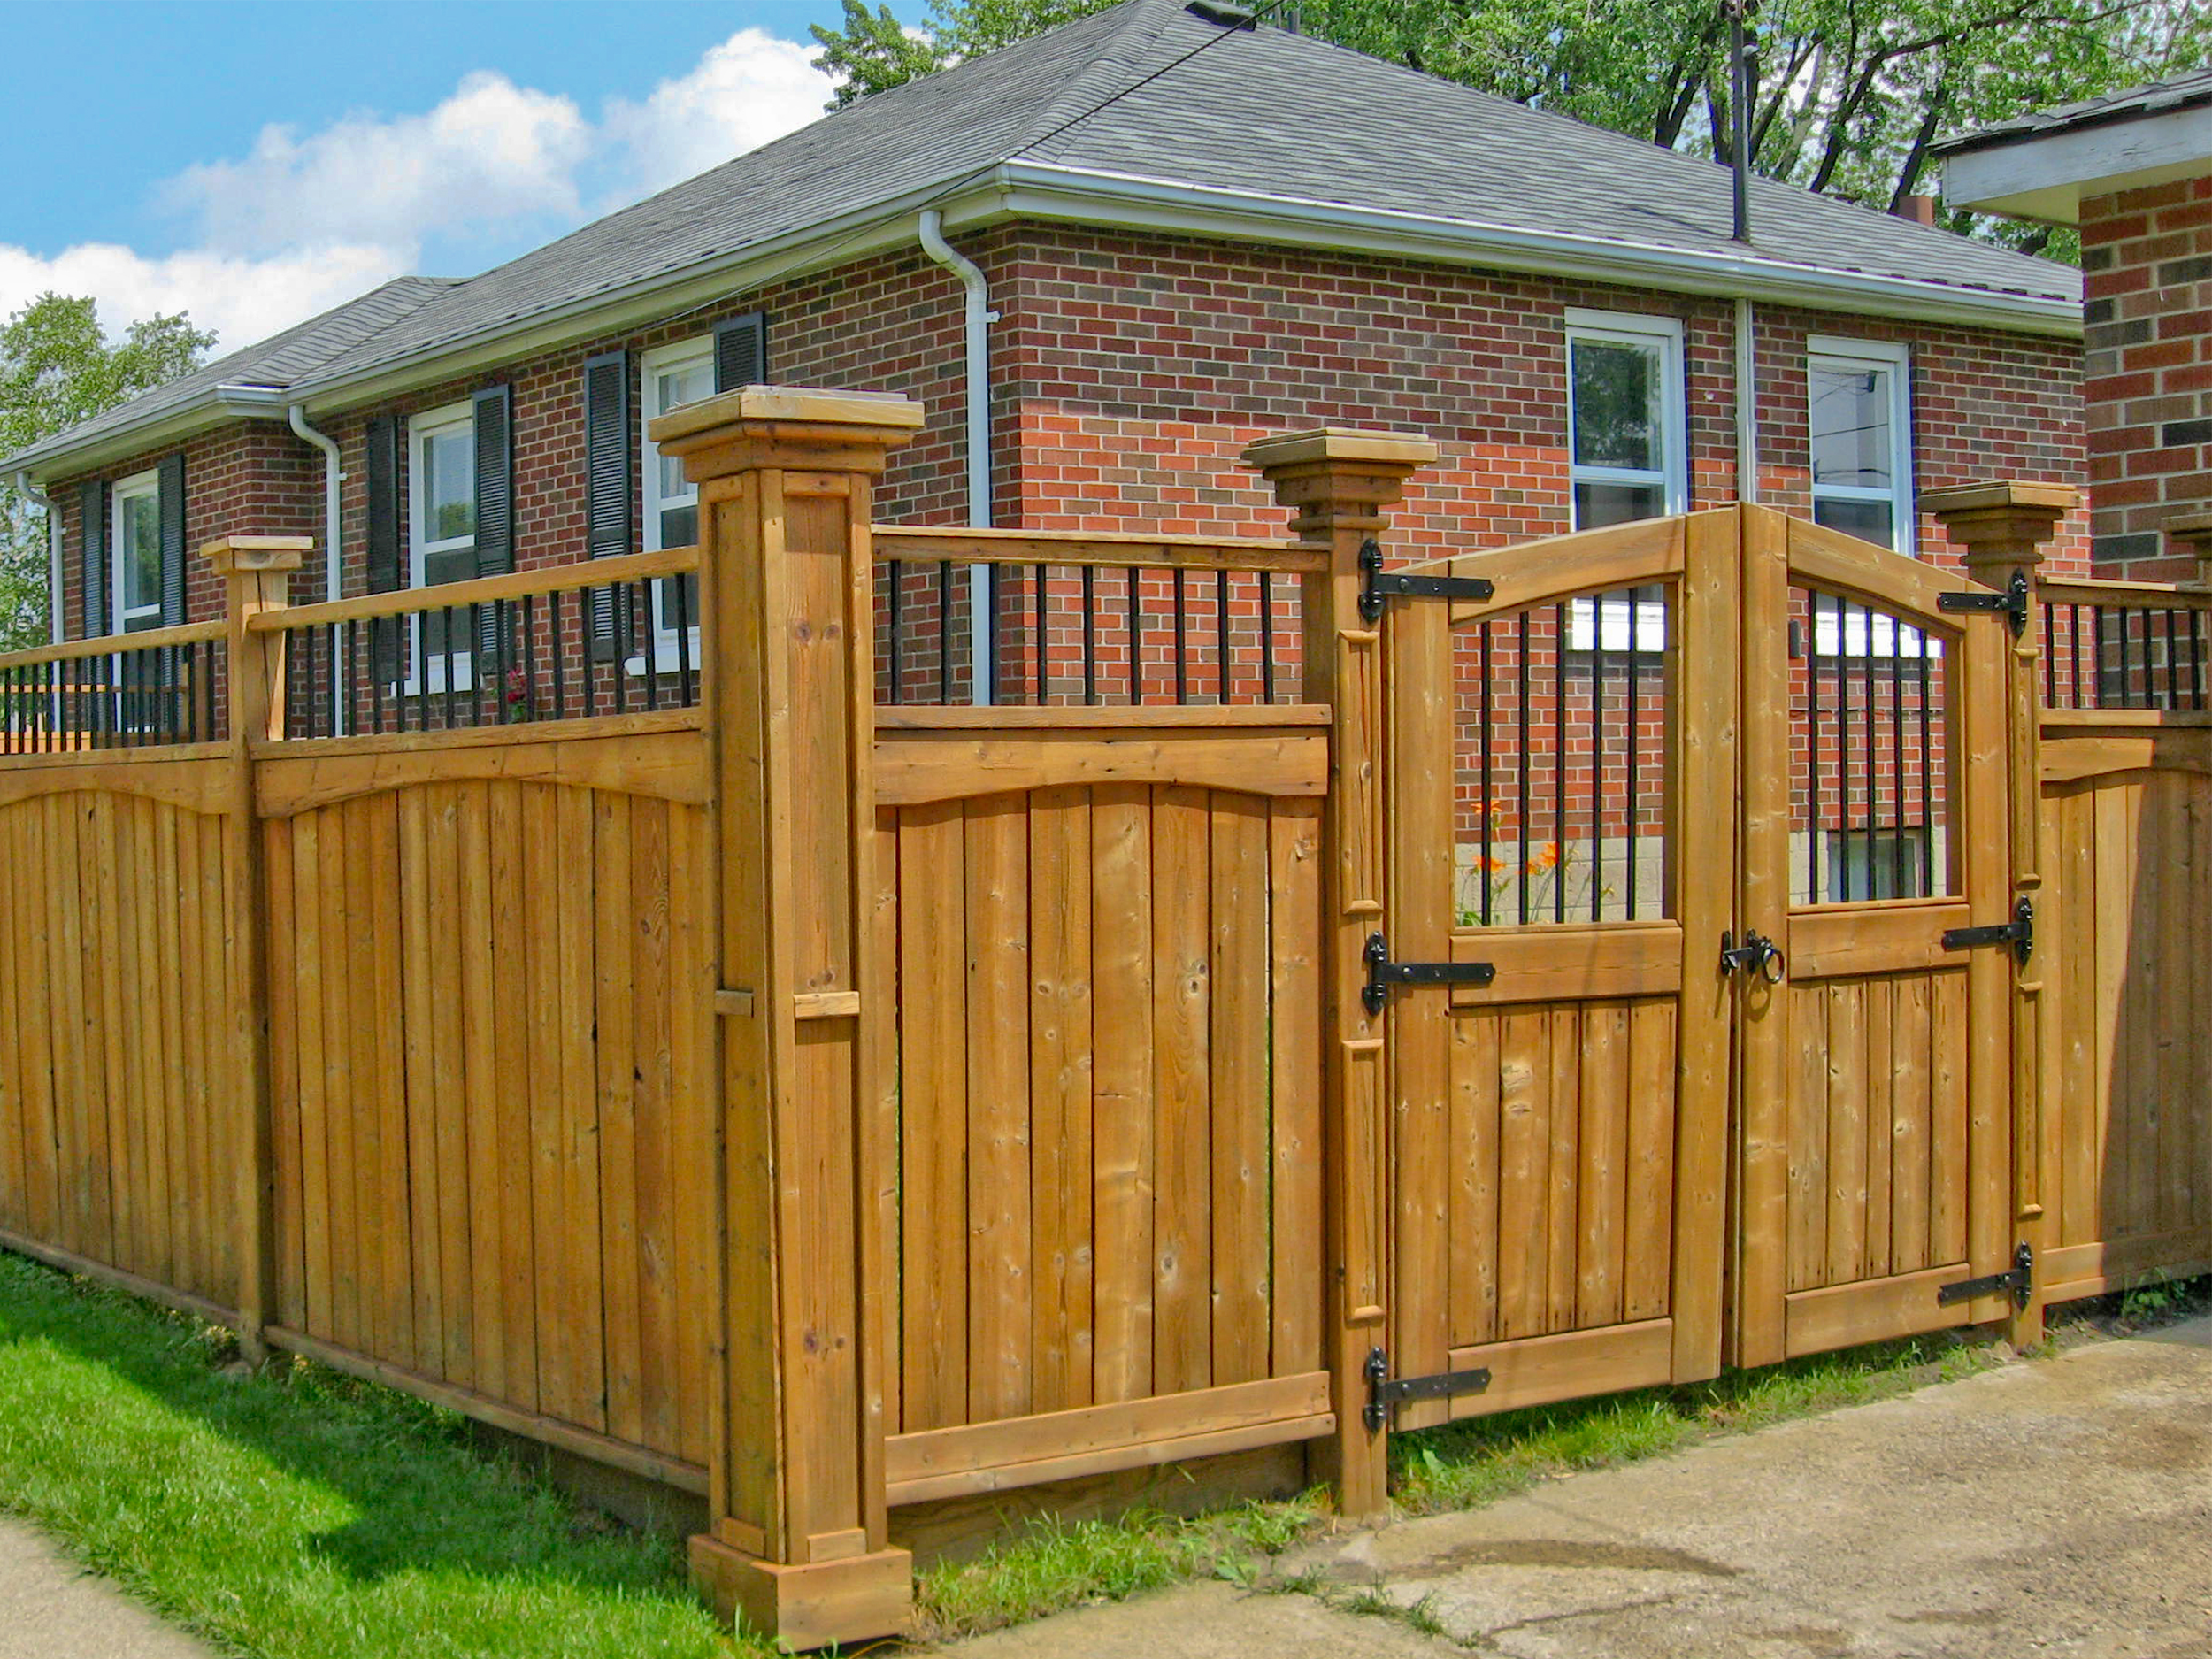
pixel 683 383
pixel 679 526
pixel 138 528
pixel 1616 406
pixel 1597 505
pixel 1850 426
pixel 449 484
pixel 1869 520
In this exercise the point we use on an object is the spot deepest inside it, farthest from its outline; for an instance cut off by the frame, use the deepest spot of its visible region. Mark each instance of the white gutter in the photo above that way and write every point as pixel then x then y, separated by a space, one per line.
pixel 1038 190
pixel 976 319
pixel 53 555
pixel 297 414
pixel 1746 401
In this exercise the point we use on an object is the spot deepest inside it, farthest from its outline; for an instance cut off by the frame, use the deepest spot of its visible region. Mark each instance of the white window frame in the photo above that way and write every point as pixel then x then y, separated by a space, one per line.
pixel 651 364
pixel 1834 352
pixel 138 486
pixel 1586 629
pixel 424 673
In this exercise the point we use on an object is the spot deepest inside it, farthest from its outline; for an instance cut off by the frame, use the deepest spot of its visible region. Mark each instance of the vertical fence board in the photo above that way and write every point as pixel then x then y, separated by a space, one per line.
pixel 1182 1194
pixel 932 1017
pixel 1237 1046
pixel 999 1265
pixel 1122 1125
pixel 1061 1039
pixel 1294 1081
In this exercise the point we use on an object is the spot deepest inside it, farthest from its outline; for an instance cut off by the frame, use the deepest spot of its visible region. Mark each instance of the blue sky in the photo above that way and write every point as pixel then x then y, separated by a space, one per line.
pixel 254 161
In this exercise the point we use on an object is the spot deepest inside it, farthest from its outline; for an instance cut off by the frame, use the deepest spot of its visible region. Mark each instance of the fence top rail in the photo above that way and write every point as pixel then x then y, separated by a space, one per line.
pixel 114 644
pixel 1077 718
pixel 923 544
pixel 2076 591
pixel 530 584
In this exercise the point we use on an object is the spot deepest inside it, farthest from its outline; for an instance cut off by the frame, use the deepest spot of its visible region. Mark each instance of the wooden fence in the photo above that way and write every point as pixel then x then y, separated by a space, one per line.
pixel 649 1005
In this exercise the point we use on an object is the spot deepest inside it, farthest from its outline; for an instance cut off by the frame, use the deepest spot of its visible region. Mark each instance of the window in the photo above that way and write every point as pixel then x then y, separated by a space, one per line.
pixel 1626 453
pixel 442 531
pixel 1625 418
pixel 136 540
pixel 1860 417
pixel 670 376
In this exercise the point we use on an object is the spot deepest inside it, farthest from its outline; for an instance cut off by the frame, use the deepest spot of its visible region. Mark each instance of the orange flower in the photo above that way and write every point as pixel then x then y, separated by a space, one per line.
pixel 1544 860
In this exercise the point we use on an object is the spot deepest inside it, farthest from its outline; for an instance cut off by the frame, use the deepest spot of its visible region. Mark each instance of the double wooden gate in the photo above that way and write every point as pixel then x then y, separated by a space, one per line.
pixel 1620 1156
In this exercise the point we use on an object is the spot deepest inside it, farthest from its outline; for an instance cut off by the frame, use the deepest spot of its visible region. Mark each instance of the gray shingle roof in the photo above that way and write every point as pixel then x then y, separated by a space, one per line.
pixel 1150 91
pixel 2174 92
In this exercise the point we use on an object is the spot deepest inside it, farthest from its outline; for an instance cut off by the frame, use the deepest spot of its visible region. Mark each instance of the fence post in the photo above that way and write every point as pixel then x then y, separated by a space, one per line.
pixel 1337 484
pixel 2001 529
pixel 799 1543
pixel 256 573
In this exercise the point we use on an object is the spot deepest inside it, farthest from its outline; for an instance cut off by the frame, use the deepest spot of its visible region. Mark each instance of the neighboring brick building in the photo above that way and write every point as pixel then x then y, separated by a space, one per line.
pixel 1190 233
pixel 2133 171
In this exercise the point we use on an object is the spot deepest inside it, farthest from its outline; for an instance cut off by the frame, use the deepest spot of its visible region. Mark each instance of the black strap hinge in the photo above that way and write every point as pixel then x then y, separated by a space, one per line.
pixel 1384 1391
pixel 2011 602
pixel 2019 933
pixel 1382 973
pixel 2018 1282
pixel 1383 585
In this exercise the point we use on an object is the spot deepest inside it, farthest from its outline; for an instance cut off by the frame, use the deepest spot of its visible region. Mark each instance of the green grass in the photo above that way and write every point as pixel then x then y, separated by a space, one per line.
pixel 299 1513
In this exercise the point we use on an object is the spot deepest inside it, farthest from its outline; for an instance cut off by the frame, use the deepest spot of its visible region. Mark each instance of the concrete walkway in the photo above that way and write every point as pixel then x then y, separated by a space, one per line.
pixel 53 1609
pixel 2054 1507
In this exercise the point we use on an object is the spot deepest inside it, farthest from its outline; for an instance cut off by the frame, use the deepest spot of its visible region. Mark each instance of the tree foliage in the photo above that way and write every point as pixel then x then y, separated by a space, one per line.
pixel 1846 94
pixel 58 369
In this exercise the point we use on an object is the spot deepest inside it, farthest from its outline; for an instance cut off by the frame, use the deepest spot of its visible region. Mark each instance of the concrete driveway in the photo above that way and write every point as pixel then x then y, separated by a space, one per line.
pixel 2051 1507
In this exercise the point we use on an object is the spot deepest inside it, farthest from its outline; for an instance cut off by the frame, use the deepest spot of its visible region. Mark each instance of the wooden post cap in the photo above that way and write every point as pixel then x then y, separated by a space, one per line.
pixel 232 555
pixel 2003 523
pixel 2193 532
pixel 1409 450
pixel 792 427
pixel 1339 476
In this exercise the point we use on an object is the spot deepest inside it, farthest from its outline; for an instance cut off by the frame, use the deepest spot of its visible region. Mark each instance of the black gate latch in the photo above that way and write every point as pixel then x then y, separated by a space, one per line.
pixel 1382 973
pixel 2012 602
pixel 2019 1281
pixel 2019 933
pixel 1382 585
pixel 1384 1391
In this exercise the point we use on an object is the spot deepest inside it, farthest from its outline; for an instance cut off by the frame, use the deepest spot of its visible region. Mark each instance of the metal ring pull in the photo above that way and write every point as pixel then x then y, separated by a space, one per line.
pixel 1772 963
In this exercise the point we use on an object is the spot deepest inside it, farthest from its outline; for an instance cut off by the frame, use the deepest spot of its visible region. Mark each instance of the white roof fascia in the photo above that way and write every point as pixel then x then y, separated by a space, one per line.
pixel 1044 191
pixel 222 404
pixel 2045 175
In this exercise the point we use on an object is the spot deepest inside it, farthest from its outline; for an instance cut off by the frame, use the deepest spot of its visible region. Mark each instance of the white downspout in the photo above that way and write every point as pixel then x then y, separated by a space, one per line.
pixel 332 567
pixel 1747 403
pixel 53 555
pixel 978 317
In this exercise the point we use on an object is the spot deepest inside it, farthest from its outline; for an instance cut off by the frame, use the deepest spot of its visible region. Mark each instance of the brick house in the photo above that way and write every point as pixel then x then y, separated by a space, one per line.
pixel 2132 171
pixel 1170 233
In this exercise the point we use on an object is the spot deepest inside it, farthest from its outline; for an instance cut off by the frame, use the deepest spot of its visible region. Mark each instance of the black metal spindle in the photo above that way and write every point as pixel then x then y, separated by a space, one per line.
pixel 1630 816
pixel 1597 751
pixel 1182 639
pixel 1489 814
pixel 1221 630
pixel 1267 642
pixel 1927 774
pixel 686 661
pixel 944 631
pixel 556 647
pixel 1873 756
pixel 1897 759
pixel 452 698
pixel 2050 657
pixel 1037 609
pixel 893 570
pixel 1522 729
pixel 2196 660
pixel 1090 636
pixel 1136 634
pixel 1812 749
pixel 1559 762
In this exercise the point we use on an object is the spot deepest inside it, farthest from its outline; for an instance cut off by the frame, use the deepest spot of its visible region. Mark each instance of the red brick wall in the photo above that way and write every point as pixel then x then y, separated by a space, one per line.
pixel 1130 371
pixel 2146 259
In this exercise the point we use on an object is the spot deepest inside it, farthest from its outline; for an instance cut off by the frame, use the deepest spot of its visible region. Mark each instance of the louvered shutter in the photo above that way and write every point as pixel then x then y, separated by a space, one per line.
pixel 741 351
pixel 607 462
pixel 380 465
pixel 495 512
pixel 170 481
pixel 93 514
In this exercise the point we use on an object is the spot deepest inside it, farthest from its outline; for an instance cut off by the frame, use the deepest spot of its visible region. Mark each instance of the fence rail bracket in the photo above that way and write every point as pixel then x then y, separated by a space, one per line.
pixel 2018 1281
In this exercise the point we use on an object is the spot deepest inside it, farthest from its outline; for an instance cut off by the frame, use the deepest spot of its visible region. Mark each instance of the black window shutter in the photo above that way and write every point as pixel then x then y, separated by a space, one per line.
pixel 607 462
pixel 495 505
pixel 93 510
pixel 380 465
pixel 170 480
pixel 741 351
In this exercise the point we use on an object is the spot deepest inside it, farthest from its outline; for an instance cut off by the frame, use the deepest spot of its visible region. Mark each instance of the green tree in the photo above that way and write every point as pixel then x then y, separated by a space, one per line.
pixel 58 369
pixel 1846 94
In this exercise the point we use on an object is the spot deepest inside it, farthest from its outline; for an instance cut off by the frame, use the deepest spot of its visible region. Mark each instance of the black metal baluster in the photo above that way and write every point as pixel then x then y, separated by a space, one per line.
pixel 1812 746
pixel 1897 759
pixel 2073 646
pixel 1489 810
pixel 1136 634
pixel 451 697
pixel 556 643
pixel 1927 774
pixel 1043 681
pixel 1632 817
pixel 1521 736
pixel 1597 751
pixel 686 661
pixel 893 570
pixel 1182 631
pixel 2173 663
pixel 1873 765
pixel 1221 629
pixel 2196 660
pixel 2050 658
pixel 1090 636
pixel 1267 642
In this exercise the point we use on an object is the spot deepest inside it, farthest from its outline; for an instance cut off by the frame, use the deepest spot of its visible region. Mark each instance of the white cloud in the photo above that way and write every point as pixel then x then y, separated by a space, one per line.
pixel 750 89
pixel 305 220
pixel 491 153
pixel 242 298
